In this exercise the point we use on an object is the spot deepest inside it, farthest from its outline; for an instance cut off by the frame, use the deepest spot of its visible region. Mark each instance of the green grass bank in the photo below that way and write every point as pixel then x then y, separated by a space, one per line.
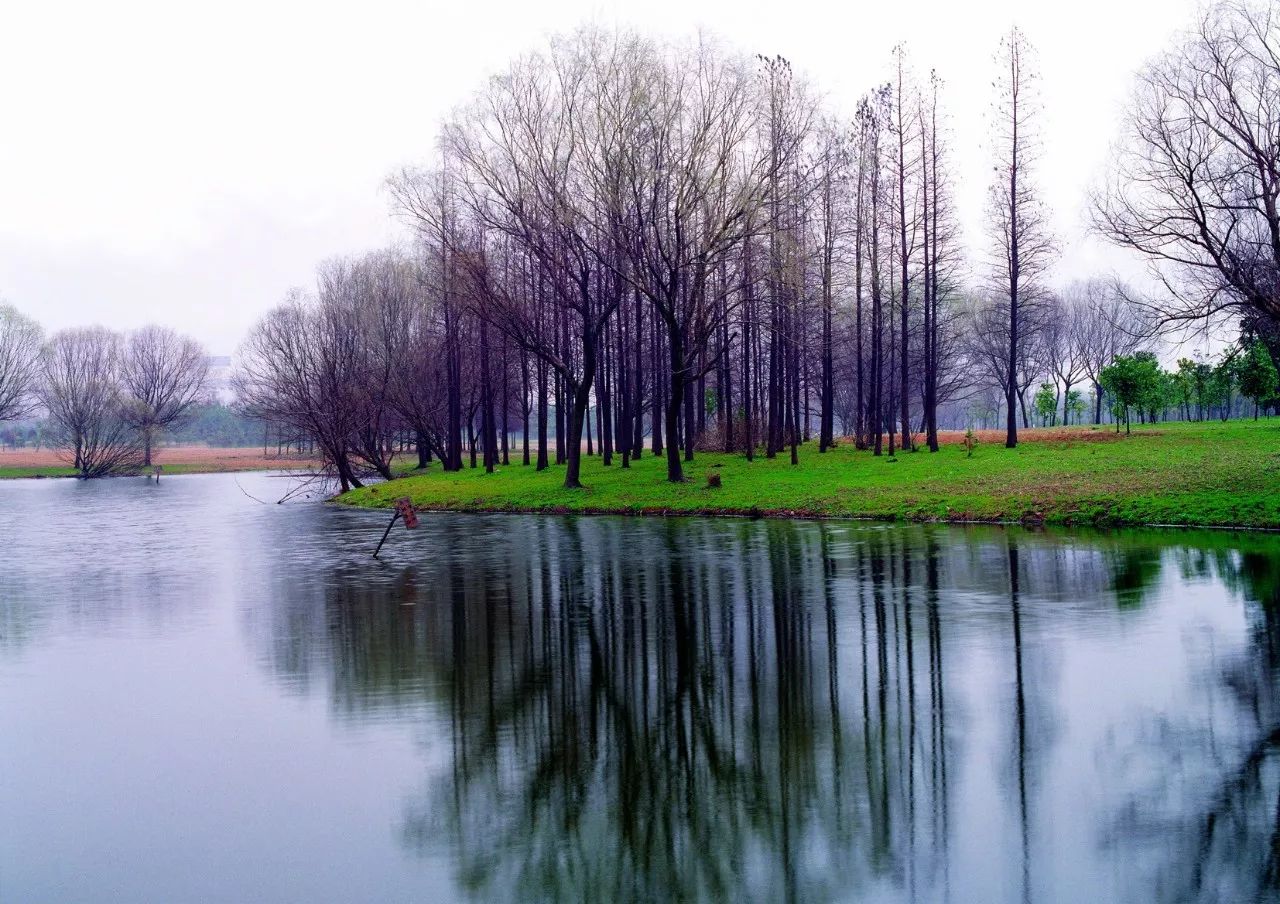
pixel 1212 474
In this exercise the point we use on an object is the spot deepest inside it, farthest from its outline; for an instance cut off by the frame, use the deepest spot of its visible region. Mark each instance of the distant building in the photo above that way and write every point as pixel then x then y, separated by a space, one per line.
pixel 220 369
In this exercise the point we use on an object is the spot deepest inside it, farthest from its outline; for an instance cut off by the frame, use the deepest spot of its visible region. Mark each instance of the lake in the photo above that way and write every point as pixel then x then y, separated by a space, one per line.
pixel 209 697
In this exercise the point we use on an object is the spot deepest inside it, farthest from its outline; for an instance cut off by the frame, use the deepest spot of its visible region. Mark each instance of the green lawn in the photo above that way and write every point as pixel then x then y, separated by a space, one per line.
pixel 1206 474
pixel 37 471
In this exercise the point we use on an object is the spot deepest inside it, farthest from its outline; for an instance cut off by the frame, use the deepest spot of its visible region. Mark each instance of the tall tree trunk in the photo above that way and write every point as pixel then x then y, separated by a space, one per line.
pixel 637 382
pixel 453 370
pixel 581 398
pixel 748 349
pixel 423 447
pixel 675 473
pixel 1011 425
pixel 904 387
pixel 524 408
pixel 486 400
pixel 543 414
pixel 506 401
pixel 826 429
pixel 690 434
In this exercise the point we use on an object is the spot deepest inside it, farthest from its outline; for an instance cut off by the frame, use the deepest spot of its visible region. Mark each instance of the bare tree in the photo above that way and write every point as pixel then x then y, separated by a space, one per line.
pixel 986 347
pixel 1107 324
pixel 381 293
pixel 1196 184
pixel 1064 353
pixel 20 339
pixel 833 212
pixel 687 197
pixel 298 368
pixel 943 260
pixel 907 169
pixel 81 372
pixel 1023 246
pixel 521 150
pixel 419 381
pixel 163 376
pixel 876 115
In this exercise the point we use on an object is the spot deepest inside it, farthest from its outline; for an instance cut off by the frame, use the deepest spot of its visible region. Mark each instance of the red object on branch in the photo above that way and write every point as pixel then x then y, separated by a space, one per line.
pixel 405 508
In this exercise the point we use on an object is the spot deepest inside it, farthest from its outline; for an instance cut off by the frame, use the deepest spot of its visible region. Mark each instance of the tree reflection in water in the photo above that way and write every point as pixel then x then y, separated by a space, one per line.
pixel 1219 816
pixel 788 711
pixel 664 716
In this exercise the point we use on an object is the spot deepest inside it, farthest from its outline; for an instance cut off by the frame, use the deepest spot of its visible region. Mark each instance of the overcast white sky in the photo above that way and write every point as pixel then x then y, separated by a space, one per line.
pixel 187 165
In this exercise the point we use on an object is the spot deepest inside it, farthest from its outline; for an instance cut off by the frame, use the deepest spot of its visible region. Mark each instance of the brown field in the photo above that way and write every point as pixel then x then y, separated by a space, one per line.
pixel 187 459
pixel 1105 433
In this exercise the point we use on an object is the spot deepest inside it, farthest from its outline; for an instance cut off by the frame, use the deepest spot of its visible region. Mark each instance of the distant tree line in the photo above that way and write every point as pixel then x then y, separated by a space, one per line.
pixel 215 424
pixel 1243 379
pixel 105 397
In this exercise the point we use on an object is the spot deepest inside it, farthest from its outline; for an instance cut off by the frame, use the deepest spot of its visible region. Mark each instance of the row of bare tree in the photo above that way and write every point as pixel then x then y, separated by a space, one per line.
pixel 630 242
pixel 676 238
pixel 107 396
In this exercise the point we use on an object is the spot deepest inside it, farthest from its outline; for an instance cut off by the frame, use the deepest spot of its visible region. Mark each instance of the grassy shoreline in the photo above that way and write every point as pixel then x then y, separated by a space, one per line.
pixel 1211 475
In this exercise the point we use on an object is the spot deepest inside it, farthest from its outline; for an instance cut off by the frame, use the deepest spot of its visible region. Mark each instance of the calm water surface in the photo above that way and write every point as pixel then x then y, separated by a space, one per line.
pixel 208 699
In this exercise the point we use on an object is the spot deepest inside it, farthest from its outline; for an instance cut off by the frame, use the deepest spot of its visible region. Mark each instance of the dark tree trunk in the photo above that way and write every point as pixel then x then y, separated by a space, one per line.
pixel 661 375
pixel 637 382
pixel 676 383
pixel 577 417
pixel 748 353
pixel 690 433
pixel 453 369
pixel 506 402
pixel 524 407
pixel 423 447
pixel 486 402
pixel 543 414
pixel 827 429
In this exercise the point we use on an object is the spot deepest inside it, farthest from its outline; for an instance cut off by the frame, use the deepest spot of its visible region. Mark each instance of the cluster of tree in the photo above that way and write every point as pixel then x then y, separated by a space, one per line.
pixel 20 434
pixel 683 243
pixel 106 396
pixel 216 424
pixel 1196 390
pixel 1067 339
pixel 353 366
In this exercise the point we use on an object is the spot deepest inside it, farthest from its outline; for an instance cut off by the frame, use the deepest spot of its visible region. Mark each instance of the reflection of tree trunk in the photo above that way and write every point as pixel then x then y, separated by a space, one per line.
pixel 911 711
pixel 938 720
pixel 882 699
pixel 1244 777
pixel 676 710
pixel 1020 709
pixel 833 669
